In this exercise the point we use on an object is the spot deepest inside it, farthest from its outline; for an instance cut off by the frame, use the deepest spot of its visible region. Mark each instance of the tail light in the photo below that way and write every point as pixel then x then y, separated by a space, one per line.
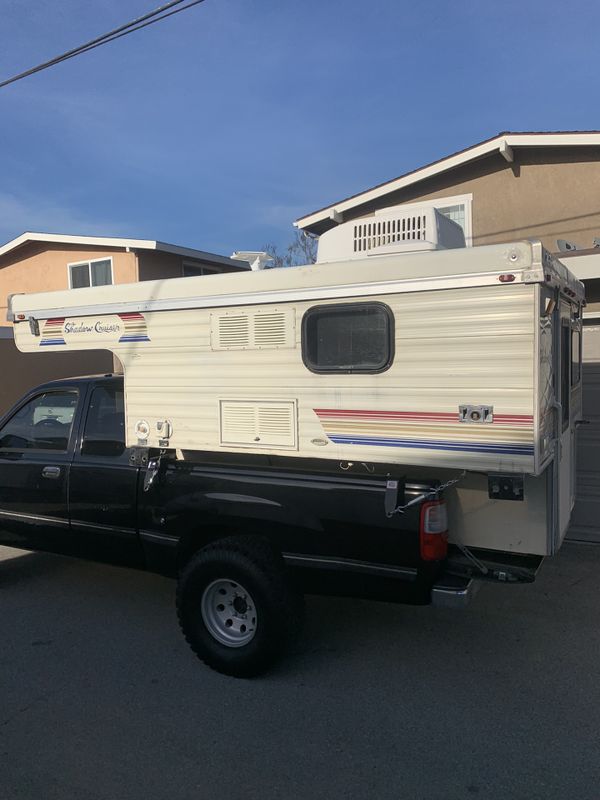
pixel 433 531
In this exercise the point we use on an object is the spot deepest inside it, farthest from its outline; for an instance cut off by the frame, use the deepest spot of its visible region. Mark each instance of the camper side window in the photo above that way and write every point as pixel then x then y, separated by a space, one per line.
pixel 575 356
pixel 349 338
pixel 565 360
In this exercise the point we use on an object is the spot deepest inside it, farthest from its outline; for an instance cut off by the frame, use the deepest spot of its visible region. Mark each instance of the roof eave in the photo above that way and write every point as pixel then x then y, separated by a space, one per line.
pixel 119 243
pixel 503 144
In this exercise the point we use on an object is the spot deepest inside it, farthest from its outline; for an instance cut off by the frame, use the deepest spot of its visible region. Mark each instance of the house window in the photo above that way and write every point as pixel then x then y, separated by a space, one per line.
pixel 456 208
pixel 455 213
pixel 350 338
pixel 90 273
pixel 190 270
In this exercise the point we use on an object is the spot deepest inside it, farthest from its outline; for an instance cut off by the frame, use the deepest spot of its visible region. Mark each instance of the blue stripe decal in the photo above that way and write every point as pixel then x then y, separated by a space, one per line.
pixel 51 341
pixel 423 444
pixel 133 338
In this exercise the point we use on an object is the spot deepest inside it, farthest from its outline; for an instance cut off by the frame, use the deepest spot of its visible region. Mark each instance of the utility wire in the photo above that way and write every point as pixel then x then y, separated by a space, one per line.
pixel 160 13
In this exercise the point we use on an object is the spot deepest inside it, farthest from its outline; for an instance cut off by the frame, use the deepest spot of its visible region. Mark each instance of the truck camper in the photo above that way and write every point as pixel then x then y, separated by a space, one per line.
pixel 400 405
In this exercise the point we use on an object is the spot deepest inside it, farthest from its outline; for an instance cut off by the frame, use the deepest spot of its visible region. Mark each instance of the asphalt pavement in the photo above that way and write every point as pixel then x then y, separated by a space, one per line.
pixel 101 699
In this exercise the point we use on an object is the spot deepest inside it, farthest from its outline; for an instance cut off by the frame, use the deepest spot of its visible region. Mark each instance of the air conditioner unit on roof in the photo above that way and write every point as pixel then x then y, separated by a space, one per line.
pixel 391 231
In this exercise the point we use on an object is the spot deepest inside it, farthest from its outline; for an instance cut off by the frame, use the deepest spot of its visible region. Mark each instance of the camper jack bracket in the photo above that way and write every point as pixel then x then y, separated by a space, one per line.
pixel 493 567
pixel 139 456
pixel 505 487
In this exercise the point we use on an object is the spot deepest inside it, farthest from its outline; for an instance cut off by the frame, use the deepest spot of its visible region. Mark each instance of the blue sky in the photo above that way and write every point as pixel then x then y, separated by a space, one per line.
pixel 220 126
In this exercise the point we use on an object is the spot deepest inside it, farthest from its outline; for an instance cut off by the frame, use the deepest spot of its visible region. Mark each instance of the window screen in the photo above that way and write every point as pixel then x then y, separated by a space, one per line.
pixel 101 273
pixel 80 276
pixel 354 337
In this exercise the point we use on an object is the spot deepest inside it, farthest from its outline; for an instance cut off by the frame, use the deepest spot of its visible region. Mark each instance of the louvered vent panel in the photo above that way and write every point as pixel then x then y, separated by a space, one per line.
pixel 252 330
pixel 233 331
pixel 259 424
pixel 270 329
pixel 368 235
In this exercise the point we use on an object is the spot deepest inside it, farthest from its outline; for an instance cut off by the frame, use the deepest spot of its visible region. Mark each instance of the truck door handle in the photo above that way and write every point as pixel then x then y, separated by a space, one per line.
pixel 51 472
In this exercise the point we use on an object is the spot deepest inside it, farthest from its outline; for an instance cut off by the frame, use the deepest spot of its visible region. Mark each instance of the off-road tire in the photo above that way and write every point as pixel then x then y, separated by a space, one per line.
pixel 259 568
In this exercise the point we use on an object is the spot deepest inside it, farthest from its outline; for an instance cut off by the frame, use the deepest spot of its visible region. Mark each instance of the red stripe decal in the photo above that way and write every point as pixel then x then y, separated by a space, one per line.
pixel 426 416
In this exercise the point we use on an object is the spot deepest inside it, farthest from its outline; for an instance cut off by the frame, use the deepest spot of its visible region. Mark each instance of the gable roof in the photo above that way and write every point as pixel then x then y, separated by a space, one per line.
pixel 132 244
pixel 503 143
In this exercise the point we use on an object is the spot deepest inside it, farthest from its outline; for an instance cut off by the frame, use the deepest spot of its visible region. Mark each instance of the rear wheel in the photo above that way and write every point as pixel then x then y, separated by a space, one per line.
pixel 236 606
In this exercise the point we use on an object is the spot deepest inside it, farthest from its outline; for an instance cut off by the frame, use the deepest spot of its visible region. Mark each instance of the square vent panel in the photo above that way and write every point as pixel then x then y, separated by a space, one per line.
pixel 259 424
pixel 252 330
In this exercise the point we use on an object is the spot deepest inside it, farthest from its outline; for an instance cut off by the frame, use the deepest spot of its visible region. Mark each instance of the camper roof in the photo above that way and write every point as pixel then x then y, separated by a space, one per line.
pixel 526 261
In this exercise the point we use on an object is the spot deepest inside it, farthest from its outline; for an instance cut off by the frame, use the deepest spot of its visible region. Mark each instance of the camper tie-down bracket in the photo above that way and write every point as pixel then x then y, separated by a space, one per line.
pixel 140 457
pixel 391 494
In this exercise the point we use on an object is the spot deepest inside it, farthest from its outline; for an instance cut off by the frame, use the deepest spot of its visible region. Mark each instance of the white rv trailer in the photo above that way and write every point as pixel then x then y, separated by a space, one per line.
pixel 436 362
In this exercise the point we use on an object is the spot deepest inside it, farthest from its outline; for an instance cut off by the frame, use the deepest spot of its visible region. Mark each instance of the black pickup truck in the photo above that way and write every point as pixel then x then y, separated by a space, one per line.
pixel 245 538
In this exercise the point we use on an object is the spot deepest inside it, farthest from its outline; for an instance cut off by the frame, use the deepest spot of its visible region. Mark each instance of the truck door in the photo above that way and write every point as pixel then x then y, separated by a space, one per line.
pixel 103 483
pixel 35 452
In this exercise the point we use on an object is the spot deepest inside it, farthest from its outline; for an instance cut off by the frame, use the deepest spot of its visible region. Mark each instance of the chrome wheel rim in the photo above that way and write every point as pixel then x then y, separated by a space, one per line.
pixel 229 612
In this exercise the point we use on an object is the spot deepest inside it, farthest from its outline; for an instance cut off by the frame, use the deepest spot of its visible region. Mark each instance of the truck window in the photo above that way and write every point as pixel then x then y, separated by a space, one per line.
pixel 353 337
pixel 104 433
pixel 43 423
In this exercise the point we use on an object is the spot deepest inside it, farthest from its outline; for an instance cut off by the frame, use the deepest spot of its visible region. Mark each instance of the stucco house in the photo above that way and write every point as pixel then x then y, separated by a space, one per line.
pixel 516 185
pixel 35 262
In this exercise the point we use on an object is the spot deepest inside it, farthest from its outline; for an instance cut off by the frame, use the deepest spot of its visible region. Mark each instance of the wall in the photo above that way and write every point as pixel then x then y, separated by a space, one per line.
pixel 154 265
pixel 42 267
pixel 24 371
pixel 546 194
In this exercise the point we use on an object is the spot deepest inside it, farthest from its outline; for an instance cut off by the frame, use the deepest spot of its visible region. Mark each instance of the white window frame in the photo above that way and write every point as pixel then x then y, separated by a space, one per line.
pixel 465 200
pixel 89 263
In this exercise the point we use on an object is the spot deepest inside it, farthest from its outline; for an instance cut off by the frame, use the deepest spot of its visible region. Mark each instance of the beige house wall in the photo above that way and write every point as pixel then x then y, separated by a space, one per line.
pixel 546 194
pixel 40 266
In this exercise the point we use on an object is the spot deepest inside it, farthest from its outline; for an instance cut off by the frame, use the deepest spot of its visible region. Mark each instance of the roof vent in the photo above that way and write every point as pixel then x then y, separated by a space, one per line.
pixel 391 231
pixel 257 259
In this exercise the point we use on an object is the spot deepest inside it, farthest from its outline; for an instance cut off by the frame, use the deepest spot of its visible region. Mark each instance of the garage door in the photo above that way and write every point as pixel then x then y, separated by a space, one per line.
pixel 585 523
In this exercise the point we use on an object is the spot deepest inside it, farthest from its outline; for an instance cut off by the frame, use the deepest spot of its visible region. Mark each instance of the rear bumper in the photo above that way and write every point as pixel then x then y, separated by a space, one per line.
pixel 454 592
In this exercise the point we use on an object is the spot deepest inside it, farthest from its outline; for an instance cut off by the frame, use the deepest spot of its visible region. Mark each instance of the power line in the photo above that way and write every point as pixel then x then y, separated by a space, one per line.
pixel 160 13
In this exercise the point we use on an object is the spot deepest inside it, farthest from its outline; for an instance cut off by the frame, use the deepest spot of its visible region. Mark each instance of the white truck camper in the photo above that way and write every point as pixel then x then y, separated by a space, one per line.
pixel 462 363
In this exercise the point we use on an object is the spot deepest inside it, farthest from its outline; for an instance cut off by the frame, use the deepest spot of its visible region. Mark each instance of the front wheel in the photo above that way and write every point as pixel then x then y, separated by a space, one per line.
pixel 236 606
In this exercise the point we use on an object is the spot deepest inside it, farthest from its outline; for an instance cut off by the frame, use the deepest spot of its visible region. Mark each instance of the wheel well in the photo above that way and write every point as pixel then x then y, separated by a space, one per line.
pixel 192 541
